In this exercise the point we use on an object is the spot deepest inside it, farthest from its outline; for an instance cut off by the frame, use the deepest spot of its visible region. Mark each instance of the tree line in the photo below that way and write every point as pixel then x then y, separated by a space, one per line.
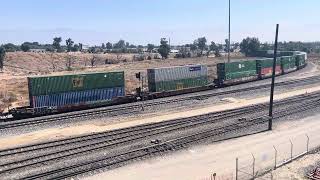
pixel 200 47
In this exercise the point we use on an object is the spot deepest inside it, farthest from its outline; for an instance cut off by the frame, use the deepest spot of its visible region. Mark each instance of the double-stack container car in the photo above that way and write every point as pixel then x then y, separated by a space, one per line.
pixel 288 64
pixel 177 78
pixel 236 72
pixel 301 58
pixel 265 66
pixel 243 71
pixel 53 94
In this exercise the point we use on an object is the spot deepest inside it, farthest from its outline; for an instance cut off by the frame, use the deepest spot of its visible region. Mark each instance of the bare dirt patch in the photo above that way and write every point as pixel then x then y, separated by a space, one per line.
pixel 297 169
pixel 314 58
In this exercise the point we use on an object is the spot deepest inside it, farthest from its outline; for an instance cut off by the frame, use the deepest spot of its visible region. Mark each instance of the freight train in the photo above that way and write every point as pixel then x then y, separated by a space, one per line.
pixel 58 94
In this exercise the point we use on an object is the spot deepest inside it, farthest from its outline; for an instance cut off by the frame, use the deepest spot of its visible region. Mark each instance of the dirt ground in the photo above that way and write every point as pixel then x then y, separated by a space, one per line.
pixel 198 163
pixel 294 169
pixel 314 58
pixel 19 65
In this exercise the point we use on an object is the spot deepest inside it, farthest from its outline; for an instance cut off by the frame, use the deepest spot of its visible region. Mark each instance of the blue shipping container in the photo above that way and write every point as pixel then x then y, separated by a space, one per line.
pixel 77 98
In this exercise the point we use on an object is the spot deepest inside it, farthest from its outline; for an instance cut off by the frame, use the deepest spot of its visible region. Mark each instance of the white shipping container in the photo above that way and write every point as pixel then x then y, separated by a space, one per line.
pixel 177 73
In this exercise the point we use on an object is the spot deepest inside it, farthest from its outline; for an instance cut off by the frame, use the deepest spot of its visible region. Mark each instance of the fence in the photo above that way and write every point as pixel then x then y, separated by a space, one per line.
pixel 261 165
pixel 273 158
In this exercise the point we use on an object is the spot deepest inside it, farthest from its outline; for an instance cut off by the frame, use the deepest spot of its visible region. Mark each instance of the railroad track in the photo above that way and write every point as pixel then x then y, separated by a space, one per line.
pixel 150 151
pixel 138 154
pixel 182 121
pixel 309 101
pixel 139 107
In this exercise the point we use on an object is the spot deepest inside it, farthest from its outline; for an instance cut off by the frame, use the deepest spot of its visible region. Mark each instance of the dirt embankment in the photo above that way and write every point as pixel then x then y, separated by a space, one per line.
pixel 314 58
pixel 19 65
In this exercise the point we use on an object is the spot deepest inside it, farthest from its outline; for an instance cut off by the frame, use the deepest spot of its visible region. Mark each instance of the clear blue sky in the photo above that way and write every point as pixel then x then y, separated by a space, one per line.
pixel 146 21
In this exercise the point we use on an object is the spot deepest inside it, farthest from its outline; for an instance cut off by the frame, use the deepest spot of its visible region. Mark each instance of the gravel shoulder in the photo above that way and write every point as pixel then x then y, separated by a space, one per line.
pixel 200 162
pixel 297 169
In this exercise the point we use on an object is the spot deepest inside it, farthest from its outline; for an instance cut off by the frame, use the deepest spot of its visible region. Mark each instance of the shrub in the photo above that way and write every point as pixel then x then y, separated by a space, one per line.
pixel 111 61
pixel 139 57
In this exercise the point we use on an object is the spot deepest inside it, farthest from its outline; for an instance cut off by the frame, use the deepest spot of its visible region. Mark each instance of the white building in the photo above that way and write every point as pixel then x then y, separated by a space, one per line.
pixel 174 51
pixel 38 50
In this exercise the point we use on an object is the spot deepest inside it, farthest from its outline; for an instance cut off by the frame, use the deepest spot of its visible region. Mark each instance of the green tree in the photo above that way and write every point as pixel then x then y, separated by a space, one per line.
pixel 150 47
pixel 214 48
pixel 193 47
pixel 103 46
pixel 164 48
pixel 201 44
pixel 109 45
pixel 56 43
pixel 69 44
pixel 140 48
pixel 92 50
pixel 10 47
pixel 236 46
pixel 75 48
pixel 2 56
pixel 249 46
pixel 265 46
pixel 50 49
pixel 25 47
pixel 120 45
pixel 80 46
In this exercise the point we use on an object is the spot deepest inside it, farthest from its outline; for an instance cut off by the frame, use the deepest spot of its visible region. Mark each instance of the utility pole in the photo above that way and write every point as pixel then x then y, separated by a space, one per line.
pixel 273 78
pixel 229 39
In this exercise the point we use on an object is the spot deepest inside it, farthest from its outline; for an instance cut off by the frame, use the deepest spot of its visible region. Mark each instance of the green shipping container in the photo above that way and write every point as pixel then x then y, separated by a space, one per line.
pixel 288 63
pixel 45 85
pixel 266 63
pixel 236 70
pixel 177 84
pixel 287 53
pixel 300 60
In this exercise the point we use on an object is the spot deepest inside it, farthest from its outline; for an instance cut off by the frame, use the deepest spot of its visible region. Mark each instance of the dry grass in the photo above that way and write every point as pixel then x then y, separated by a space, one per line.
pixel 43 63
pixel 6 99
pixel 314 58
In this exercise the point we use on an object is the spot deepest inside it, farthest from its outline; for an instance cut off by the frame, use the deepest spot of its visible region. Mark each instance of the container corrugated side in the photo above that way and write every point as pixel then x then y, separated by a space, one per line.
pixel 72 83
pixel 77 98
pixel 266 63
pixel 288 63
pixel 263 54
pixel 287 53
pixel 237 70
pixel 300 60
pixel 265 66
pixel 178 84
pixel 176 73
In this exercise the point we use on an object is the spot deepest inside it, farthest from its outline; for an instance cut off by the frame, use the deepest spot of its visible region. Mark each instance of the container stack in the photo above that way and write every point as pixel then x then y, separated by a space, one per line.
pixel 75 90
pixel 177 78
